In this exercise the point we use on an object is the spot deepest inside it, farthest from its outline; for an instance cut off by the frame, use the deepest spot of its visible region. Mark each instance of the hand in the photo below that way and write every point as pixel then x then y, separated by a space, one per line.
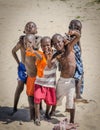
pixel 49 53
pixel 73 32
pixel 66 40
pixel 30 49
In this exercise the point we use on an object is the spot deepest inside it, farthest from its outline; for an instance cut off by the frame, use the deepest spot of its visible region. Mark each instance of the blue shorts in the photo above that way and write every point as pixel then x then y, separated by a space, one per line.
pixel 22 72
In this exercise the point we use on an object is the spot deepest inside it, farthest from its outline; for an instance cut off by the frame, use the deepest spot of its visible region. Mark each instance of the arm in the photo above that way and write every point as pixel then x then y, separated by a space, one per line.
pixel 76 38
pixel 49 54
pixel 14 50
pixel 52 58
pixel 37 54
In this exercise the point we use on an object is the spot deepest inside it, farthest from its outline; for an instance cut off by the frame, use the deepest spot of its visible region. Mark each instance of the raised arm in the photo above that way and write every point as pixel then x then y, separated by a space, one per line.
pixel 49 55
pixel 76 38
pixel 37 53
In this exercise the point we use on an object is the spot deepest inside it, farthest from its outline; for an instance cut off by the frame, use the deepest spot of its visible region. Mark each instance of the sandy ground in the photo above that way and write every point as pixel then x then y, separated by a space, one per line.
pixel 51 16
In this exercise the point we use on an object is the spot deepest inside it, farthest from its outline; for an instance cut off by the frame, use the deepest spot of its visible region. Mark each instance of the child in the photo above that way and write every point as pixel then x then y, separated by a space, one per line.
pixel 45 82
pixel 30 63
pixel 30 28
pixel 76 25
pixel 66 58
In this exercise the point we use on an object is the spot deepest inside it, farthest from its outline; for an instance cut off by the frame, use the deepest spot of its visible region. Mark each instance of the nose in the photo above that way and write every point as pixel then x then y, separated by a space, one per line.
pixel 56 44
pixel 28 45
pixel 45 47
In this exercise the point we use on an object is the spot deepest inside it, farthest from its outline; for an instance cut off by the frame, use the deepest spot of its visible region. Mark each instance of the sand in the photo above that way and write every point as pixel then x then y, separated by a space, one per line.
pixel 51 16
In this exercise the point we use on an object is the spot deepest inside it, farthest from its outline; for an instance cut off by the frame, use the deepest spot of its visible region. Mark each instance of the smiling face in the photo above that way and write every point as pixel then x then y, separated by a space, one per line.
pixel 30 28
pixel 57 41
pixel 45 44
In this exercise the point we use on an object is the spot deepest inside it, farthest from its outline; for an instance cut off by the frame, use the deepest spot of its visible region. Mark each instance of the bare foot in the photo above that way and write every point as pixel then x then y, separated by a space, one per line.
pixel 14 111
pixel 48 117
pixel 67 110
pixel 52 113
pixel 37 122
pixel 72 126
pixel 81 100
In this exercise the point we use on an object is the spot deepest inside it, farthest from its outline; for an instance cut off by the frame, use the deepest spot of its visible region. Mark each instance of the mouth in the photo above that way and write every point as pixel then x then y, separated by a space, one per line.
pixel 58 48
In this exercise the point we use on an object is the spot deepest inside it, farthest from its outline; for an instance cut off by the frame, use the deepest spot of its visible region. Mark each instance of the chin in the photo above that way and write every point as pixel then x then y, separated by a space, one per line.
pixel 58 49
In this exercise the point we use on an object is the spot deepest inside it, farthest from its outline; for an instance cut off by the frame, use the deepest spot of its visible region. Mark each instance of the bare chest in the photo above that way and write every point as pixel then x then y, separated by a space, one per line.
pixel 30 62
pixel 67 59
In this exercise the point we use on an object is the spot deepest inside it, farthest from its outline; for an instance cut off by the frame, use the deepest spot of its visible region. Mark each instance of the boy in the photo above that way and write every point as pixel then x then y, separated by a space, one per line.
pixel 76 25
pixel 45 82
pixel 30 63
pixel 66 58
pixel 30 28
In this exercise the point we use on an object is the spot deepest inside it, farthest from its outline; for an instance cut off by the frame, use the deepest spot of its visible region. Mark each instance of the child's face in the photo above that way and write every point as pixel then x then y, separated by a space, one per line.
pixel 46 45
pixel 30 28
pixel 58 43
pixel 74 25
pixel 29 43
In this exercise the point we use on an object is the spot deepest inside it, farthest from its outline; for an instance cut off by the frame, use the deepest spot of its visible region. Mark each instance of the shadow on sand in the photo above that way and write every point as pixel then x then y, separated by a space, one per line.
pixel 20 115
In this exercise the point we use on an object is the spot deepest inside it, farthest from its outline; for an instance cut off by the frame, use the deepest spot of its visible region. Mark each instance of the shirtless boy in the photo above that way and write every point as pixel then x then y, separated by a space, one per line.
pixel 30 63
pixel 66 58
pixel 76 25
pixel 30 28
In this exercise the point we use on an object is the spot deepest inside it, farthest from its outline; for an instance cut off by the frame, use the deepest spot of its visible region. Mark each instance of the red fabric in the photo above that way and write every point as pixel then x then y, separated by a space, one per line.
pixel 45 93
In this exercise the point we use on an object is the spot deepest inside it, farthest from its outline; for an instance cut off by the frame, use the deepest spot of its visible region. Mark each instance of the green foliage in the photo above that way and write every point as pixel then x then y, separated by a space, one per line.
pixel 77 17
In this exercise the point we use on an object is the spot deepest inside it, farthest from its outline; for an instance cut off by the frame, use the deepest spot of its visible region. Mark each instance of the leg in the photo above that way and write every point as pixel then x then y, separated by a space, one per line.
pixel 72 115
pixel 41 106
pixel 37 114
pixel 31 107
pixel 78 88
pixel 18 91
pixel 47 112
pixel 70 103
pixel 82 84
pixel 53 109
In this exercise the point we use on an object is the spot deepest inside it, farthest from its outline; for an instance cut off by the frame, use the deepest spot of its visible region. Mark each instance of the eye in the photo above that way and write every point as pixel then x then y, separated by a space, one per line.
pixel 30 42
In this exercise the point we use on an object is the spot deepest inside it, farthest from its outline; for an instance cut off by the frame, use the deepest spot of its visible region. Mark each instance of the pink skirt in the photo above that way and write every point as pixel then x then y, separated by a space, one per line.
pixel 44 93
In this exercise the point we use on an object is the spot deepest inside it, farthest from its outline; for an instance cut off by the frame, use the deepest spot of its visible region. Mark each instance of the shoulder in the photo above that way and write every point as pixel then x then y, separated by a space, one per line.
pixel 38 37
pixel 20 42
pixel 21 39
